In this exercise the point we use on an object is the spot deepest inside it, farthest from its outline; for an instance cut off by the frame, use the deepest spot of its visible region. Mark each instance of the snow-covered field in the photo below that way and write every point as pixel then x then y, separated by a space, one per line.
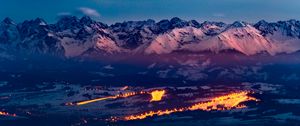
pixel 49 101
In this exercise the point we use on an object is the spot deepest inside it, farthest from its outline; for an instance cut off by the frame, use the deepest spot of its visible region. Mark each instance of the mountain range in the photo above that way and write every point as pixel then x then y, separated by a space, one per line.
pixel 74 37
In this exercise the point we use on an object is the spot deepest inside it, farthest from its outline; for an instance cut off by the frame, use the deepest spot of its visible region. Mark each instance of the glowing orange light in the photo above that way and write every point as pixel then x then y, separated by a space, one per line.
pixel 7 114
pixel 110 97
pixel 157 95
pixel 226 102
pixel 94 100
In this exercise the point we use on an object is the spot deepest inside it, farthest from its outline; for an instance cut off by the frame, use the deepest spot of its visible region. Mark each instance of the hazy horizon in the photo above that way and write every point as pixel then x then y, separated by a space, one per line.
pixel 111 11
pixel 156 20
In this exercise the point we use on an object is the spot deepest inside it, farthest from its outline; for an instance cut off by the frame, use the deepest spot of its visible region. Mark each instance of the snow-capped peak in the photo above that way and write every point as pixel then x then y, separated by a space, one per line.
pixel 74 37
pixel 237 24
pixel 40 22
pixel 8 21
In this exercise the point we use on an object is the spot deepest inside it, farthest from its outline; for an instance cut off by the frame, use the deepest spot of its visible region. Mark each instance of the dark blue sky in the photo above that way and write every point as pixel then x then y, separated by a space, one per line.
pixel 110 11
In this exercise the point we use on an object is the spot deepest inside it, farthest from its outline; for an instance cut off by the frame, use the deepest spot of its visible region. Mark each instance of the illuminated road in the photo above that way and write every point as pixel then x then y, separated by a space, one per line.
pixel 156 96
pixel 226 102
pixel 110 97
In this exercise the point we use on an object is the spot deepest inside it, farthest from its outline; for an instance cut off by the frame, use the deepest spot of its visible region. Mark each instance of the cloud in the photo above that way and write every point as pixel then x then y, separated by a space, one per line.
pixel 63 14
pixel 89 12
pixel 80 12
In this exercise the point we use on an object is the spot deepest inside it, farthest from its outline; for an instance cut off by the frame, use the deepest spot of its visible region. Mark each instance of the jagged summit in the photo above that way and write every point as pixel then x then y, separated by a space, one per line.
pixel 8 20
pixel 194 23
pixel 68 22
pixel 177 22
pixel 238 24
pixel 40 21
pixel 86 20
pixel 72 36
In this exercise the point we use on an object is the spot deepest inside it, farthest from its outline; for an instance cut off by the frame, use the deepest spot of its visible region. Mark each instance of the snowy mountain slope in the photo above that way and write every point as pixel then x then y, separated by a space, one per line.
pixel 73 37
pixel 132 34
pixel 8 31
pixel 238 36
pixel 84 35
pixel 9 36
pixel 284 35
pixel 75 47
pixel 245 39
pixel 174 40
pixel 213 28
pixel 37 37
